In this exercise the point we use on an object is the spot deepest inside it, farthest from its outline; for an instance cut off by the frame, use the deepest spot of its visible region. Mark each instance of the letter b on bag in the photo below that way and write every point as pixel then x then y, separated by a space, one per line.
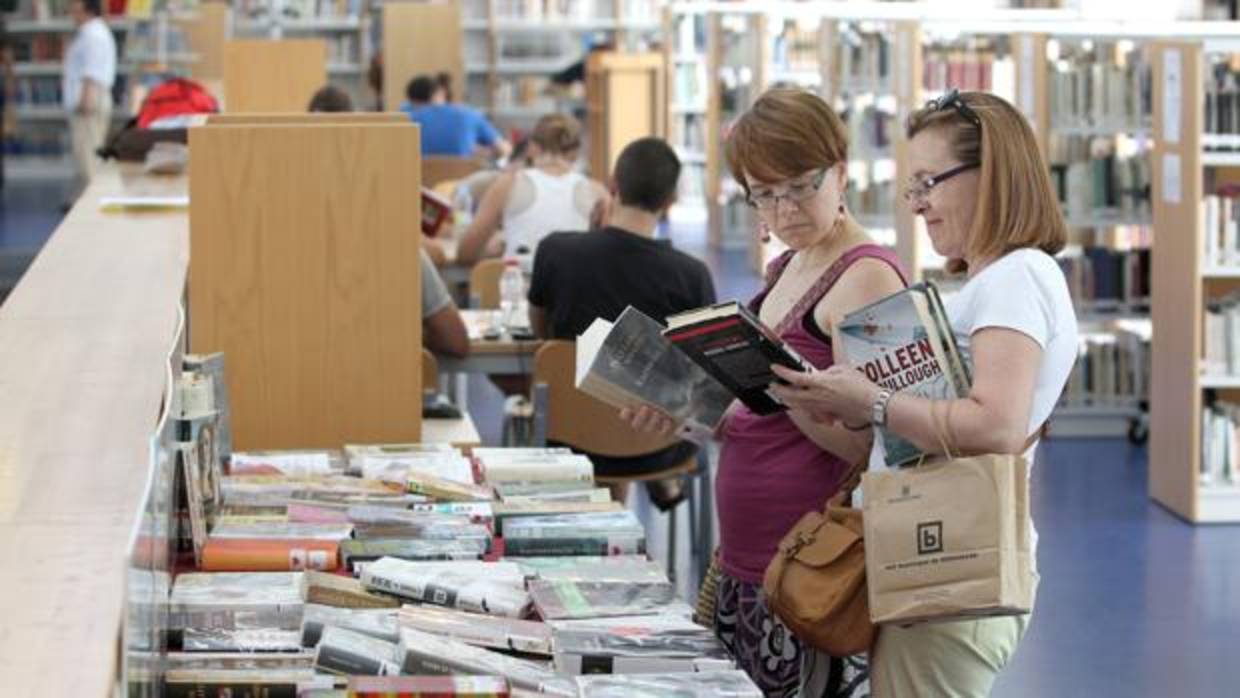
pixel 929 537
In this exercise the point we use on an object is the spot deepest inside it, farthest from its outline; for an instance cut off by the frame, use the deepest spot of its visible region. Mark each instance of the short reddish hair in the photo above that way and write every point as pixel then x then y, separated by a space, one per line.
pixel 785 133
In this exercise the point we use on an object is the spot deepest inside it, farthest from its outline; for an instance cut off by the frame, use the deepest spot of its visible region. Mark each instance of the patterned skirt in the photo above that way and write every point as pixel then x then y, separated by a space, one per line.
pixel 775 659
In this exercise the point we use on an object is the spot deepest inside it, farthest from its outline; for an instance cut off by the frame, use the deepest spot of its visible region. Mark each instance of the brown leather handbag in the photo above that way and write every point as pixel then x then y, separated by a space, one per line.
pixel 815 583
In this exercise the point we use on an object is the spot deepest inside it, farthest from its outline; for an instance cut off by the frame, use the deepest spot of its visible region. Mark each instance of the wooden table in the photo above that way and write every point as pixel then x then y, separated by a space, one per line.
pixel 462 433
pixel 84 345
pixel 486 356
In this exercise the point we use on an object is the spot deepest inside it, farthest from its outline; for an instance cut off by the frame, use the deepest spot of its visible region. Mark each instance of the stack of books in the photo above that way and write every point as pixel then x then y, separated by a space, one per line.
pixel 410 591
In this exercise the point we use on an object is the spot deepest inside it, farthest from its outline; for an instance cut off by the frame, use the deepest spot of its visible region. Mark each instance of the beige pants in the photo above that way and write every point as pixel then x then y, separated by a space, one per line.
pixel 938 660
pixel 87 132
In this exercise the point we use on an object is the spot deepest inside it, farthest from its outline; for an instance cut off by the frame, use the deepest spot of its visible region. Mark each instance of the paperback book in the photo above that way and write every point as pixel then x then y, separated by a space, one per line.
pixel 618 568
pixel 269 554
pixel 904 342
pixel 241 640
pixel 446 587
pixel 428 687
pixel 523 636
pixel 623 523
pixel 379 623
pixel 561 467
pixel 358 551
pixel 731 344
pixel 342 592
pixel 350 653
pixel 236 600
pixel 713 684
pixel 267 683
pixel 426 653
pixel 629 363
pixel 561 599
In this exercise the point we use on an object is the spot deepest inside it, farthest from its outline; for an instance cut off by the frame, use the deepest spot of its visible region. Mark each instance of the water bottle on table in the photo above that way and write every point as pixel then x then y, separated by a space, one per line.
pixel 512 296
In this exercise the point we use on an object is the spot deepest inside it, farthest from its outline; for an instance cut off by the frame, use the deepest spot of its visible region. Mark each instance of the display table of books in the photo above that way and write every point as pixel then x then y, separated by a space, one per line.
pixel 415 570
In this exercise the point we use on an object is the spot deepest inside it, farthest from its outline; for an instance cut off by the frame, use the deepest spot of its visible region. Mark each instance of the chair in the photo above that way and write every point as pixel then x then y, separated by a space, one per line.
pixel 484 283
pixel 436 169
pixel 563 414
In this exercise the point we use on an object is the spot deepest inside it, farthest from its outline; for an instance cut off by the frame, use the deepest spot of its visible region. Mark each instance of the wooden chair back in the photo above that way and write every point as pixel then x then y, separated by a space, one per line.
pixel 484 283
pixel 436 169
pixel 579 420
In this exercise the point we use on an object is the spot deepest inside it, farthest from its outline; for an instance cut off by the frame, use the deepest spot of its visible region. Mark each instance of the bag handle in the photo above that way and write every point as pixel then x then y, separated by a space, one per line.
pixel 943 430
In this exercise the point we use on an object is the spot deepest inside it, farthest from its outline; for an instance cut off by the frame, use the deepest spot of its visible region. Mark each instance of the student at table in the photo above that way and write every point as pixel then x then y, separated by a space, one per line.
pixel 452 130
pixel 582 276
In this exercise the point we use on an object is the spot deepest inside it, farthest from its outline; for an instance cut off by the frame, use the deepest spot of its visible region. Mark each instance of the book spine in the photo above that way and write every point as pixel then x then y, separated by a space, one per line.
pixel 339 660
pixel 574 546
pixel 238 689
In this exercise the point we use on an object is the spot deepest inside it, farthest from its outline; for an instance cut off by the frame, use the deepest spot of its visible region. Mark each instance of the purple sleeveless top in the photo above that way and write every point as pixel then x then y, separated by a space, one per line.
pixel 770 473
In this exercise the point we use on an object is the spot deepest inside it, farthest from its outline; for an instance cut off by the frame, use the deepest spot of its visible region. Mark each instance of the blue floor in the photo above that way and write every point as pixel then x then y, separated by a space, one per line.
pixel 1133 602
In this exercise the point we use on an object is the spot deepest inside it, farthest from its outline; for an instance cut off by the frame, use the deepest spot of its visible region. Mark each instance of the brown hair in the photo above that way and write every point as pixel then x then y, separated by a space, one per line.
pixel 557 134
pixel 330 99
pixel 785 133
pixel 1016 204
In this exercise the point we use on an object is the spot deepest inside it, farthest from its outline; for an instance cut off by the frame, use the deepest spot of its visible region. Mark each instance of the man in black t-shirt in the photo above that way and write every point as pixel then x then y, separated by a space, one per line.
pixel 582 276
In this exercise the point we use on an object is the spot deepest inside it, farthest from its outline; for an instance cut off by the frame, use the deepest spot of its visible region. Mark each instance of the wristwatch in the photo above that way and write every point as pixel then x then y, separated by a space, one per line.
pixel 878 411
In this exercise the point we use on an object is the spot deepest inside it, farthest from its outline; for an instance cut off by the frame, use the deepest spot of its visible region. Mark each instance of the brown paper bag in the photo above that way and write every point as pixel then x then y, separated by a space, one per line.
pixel 950 540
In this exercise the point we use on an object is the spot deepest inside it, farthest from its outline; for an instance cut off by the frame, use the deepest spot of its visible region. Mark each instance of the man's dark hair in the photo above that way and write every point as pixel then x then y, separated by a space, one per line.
pixel 646 174
pixel 331 99
pixel 94 7
pixel 420 89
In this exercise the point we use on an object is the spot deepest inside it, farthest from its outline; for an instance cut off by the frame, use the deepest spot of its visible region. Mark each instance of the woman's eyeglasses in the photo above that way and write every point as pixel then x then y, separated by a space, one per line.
pixel 918 188
pixel 796 193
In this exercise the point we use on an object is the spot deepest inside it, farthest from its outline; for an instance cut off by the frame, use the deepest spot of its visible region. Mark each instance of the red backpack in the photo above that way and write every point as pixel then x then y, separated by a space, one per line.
pixel 173 98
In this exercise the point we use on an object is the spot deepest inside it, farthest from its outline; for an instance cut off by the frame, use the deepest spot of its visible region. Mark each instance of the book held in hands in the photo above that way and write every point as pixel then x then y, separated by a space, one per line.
pixel 905 343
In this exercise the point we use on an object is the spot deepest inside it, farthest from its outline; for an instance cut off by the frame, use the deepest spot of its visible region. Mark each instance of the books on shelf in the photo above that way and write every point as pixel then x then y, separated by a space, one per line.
pixel 1100 183
pixel 1222 336
pixel 1105 279
pixel 445 686
pixel 1112 367
pixel 1221 113
pixel 1220 445
pixel 628 363
pixel 863 60
pixel 1100 90
pixel 904 342
pixel 1220 216
pixel 968 66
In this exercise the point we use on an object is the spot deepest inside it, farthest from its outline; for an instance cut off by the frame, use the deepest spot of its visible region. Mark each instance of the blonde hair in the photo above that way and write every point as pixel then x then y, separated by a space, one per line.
pixel 1016 204
pixel 557 134
pixel 785 133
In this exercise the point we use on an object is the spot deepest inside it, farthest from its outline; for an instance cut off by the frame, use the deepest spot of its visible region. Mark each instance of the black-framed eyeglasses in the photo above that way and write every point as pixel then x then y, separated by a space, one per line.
pixel 953 100
pixel 796 193
pixel 918 188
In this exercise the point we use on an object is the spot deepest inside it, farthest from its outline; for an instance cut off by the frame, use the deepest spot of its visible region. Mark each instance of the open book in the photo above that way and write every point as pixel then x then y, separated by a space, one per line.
pixel 904 342
pixel 629 363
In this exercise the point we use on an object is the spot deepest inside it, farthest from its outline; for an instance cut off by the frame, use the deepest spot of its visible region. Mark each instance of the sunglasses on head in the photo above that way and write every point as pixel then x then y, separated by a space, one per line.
pixel 953 100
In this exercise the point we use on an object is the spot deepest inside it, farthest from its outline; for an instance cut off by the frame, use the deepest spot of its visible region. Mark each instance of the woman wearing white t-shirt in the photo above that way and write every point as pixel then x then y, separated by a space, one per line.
pixel 528 204
pixel 981 185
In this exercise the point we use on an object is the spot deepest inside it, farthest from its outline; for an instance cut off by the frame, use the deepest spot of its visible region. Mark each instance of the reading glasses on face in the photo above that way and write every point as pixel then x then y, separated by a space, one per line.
pixel 797 192
pixel 918 189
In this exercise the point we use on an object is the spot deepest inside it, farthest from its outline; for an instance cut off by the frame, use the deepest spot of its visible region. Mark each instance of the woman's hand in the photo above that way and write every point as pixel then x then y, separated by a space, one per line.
pixel 650 420
pixel 839 393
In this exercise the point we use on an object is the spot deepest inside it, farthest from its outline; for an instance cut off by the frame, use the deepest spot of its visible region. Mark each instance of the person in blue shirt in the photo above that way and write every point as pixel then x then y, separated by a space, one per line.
pixel 450 129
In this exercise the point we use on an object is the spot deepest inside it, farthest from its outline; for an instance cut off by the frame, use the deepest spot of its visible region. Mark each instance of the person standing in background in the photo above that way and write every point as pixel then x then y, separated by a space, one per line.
pixel 86 85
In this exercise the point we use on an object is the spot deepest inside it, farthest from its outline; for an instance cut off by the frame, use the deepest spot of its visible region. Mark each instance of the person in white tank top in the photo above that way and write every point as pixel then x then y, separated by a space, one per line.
pixel 532 203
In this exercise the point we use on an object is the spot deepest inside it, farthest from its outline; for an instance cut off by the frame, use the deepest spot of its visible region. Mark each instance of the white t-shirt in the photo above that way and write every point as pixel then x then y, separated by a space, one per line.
pixel 1024 291
pixel 91 55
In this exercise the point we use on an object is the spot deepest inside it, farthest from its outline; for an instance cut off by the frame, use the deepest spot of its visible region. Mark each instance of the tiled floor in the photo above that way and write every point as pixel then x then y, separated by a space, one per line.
pixel 1133 602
